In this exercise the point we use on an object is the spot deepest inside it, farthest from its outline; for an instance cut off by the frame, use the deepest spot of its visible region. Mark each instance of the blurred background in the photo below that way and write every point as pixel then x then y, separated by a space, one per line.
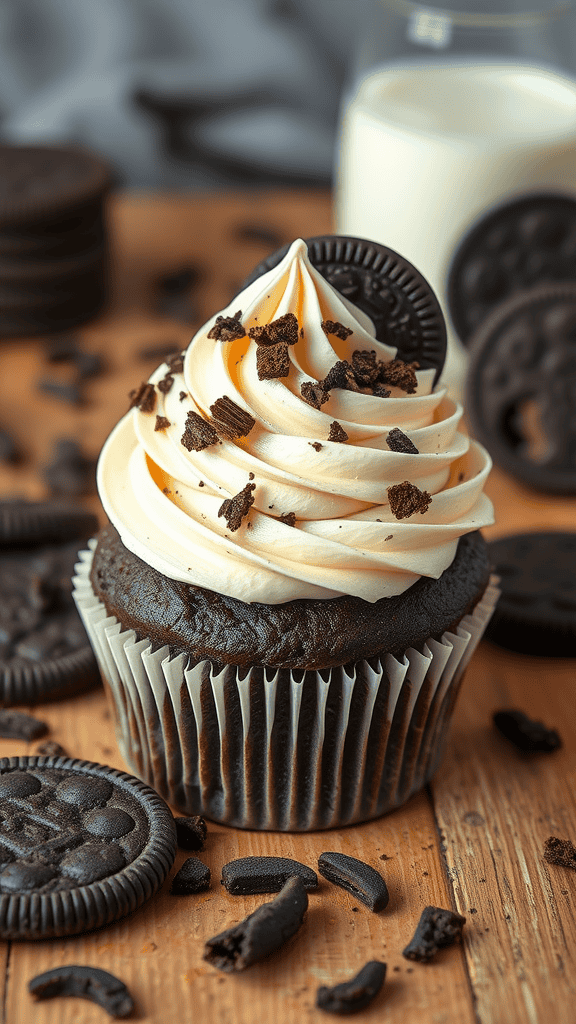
pixel 181 93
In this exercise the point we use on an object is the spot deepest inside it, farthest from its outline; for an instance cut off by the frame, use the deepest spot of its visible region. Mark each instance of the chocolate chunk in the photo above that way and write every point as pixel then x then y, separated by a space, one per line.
pixel 342 376
pixel 356 877
pixel 230 419
pixel 193 876
pixel 561 852
pixel 288 518
pixel 179 281
pixel 356 994
pixel 316 445
pixel 336 328
pixel 406 499
pixel 525 733
pixel 400 375
pixel 18 725
pixel 191 832
pixel 161 423
pixel 436 928
pixel 51 749
pixel 283 331
pixel 143 398
pixel 249 875
pixel 337 432
pixel 235 509
pixel 198 433
pixel 398 441
pixel 314 393
pixel 257 233
pixel 260 933
pixel 71 472
pixel 272 362
pixel 366 367
pixel 165 384
pixel 227 328
pixel 85 983
pixel 65 391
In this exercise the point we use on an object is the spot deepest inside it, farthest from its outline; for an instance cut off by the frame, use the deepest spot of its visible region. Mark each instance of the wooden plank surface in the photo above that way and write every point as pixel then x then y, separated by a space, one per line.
pixel 473 842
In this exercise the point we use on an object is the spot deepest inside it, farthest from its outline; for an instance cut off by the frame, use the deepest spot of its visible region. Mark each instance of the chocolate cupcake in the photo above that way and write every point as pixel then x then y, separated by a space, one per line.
pixel 293 580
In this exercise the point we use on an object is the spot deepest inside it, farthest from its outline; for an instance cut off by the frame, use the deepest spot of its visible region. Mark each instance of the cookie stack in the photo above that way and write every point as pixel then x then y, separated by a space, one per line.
pixel 52 238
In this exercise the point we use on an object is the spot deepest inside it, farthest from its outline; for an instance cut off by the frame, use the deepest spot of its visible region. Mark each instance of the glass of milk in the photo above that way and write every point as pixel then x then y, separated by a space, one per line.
pixel 453 112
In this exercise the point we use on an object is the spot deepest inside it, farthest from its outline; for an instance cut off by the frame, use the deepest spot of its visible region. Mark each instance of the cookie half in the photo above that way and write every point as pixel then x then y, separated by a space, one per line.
pixel 81 845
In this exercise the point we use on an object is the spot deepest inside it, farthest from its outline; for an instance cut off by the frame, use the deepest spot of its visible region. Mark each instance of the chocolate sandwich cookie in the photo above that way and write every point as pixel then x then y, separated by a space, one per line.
pixel 81 845
pixel 44 650
pixel 42 183
pixel 521 387
pixel 536 613
pixel 521 244
pixel 399 301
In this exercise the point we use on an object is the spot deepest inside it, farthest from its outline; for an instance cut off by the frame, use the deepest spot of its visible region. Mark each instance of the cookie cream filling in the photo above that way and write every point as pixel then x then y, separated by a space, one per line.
pixel 166 498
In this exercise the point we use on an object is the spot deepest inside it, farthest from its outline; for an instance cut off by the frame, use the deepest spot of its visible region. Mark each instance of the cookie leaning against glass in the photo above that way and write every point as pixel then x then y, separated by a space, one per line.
pixel 293 578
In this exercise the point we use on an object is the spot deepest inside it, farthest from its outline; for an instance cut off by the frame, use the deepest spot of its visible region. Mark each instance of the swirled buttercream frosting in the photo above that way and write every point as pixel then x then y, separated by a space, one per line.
pixel 289 455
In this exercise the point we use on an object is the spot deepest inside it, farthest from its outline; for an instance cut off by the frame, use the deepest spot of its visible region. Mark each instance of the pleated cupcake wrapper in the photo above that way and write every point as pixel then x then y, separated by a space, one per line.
pixel 278 749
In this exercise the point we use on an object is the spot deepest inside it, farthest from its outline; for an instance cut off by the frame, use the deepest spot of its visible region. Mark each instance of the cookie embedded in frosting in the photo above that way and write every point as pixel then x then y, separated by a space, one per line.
pixel 406 499
pixel 398 441
pixel 314 393
pixel 400 375
pixel 227 328
pixel 272 361
pixel 230 419
pixel 336 328
pixel 237 508
pixel 198 433
pixel 337 432
pixel 143 398
pixel 283 330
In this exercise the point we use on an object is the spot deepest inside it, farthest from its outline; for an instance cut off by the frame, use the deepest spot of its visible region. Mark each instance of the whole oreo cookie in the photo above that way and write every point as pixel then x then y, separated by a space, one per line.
pixel 536 613
pixel 399 301
pixel 521 389
pixel 526 242
pixel 81 845
pixel 44 650
pixel 47 181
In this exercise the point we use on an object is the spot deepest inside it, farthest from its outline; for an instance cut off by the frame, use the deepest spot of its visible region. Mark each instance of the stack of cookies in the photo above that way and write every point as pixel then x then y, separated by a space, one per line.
pixel 52 238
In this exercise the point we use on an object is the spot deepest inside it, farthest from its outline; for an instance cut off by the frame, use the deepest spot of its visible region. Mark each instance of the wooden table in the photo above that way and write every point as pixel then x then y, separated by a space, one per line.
pixel 472 842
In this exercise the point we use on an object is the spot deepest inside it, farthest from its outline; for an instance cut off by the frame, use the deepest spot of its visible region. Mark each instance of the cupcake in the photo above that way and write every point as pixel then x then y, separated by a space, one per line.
pixel 292 581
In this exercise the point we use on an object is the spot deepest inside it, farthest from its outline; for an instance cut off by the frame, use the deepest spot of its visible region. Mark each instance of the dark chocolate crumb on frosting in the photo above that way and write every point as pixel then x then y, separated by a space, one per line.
pixel 366 367
pixel 183 395
pixel 161 423
pixel 398 441
pixel 230 419
pixel 143 398
pixel 342 376
pixel 561 852
pixel 316 445
pixel 337 432
pixel 237 508
pixel 315 394
pixel 198 433
pixel 176 362
pixel 406 499
pixel 284 331
pixel 288 518
pixel 166 383
pixel 400 375
pixel 336 328
pixel 272 362
pixel 227 328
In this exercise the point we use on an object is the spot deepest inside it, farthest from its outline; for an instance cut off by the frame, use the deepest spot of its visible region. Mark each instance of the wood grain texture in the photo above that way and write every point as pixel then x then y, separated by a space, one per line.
pixel 519 968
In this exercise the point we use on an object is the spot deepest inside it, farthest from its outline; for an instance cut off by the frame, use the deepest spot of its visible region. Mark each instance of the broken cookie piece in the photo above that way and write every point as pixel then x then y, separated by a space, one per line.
pixel 227 328
pixel 406 499
pixel 230 419
pixel 237 508
pixel 198 433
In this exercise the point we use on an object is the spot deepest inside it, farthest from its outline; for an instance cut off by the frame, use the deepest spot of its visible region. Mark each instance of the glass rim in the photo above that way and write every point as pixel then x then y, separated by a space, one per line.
pixel 523 19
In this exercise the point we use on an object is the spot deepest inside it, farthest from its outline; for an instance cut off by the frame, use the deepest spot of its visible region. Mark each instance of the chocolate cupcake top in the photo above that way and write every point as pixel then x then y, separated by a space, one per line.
pixel 290 454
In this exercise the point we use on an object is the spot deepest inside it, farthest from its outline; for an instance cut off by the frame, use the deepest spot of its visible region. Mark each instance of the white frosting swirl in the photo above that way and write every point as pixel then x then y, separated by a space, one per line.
pixel 164 500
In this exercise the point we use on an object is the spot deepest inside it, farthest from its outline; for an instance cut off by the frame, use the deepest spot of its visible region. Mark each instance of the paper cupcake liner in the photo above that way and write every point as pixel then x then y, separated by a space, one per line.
pixel 278 749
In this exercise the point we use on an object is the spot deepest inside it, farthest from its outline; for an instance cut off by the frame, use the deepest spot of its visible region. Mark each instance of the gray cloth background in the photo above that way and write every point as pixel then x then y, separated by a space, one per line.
pixel 180 93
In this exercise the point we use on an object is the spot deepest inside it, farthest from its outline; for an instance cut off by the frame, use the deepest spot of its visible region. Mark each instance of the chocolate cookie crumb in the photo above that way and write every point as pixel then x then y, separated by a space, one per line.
pixel 191 832
pixel 227 328
pixel 400 375
pixel 198 433
pixel 235 509
pixel 525 733
pixel 161 423
pixel 175 362
pixel 436 928
pixel 143 398
pixel 231 420
pixel 283 331
pixel 272 362
pixel 314 394
pixel 165 384
pixel 288 518
pixel 51 749
pixel 379 391
pixel 17 725
pixel 560 851
pixel 336 328
pixel 342 376
pixel 337 432
pixel 356 994
pixel 406 499
pixel 316 445
pixel 366 367
pixel 182 395
pixel 398 441
pixel 193 876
